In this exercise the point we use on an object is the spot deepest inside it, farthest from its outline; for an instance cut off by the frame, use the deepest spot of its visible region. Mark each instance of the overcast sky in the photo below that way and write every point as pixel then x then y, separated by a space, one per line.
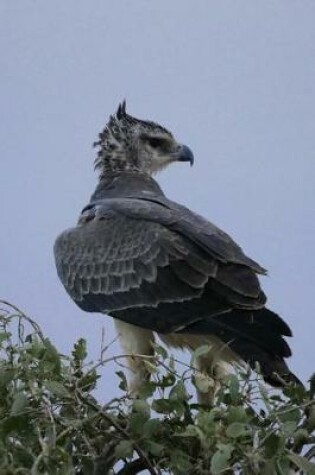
pixel 234 80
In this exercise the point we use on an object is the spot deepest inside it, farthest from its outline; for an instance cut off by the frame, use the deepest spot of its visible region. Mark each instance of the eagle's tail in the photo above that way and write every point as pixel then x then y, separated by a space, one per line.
pixel 257 337
pixel 276 373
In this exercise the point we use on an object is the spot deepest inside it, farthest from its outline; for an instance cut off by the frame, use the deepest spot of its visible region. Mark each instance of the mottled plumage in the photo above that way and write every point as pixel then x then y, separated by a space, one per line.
pixel 157 267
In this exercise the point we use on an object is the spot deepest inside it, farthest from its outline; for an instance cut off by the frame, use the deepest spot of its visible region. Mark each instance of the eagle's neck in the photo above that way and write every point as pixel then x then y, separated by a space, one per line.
pixel 126 184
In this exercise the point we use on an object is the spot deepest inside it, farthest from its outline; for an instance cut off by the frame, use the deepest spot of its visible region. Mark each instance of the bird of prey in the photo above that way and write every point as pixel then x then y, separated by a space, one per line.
pixel 158 268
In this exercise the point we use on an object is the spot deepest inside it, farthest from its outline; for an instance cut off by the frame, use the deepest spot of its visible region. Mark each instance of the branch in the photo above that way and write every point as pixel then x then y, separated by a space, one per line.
pixel 122 431
pixel 21 314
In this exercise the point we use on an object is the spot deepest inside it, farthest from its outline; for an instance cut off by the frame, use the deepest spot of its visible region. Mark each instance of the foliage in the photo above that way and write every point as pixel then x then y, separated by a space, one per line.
pixel 50 422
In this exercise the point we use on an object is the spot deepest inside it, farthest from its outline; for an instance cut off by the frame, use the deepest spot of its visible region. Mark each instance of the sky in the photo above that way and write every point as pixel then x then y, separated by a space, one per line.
pixel 233 79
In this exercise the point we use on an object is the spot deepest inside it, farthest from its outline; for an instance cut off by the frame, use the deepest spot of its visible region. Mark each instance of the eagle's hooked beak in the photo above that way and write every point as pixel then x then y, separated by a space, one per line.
pixel 184 154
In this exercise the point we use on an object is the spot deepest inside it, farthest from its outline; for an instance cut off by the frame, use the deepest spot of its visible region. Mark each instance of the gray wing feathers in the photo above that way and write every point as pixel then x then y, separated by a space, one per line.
pixel 107 256
pixel 122 244
pixel 183 221
pixel 212 239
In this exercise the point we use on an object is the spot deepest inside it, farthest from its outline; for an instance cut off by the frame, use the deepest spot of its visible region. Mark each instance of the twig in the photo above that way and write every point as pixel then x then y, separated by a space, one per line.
pixel 122 431
pixel 23 315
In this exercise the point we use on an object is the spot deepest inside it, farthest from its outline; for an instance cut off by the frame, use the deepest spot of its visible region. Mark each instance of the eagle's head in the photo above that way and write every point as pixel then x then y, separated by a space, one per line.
pixel 134 145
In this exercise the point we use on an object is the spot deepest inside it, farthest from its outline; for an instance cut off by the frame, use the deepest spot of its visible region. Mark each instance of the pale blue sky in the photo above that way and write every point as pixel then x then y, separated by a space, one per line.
pixel 234 80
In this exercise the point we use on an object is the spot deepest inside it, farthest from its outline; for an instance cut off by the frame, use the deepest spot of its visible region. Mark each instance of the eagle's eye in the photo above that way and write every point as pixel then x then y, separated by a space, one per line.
pixel 155 142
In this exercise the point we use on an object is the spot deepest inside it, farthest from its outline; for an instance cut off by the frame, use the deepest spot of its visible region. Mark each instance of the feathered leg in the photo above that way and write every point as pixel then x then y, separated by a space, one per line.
pixel 135 341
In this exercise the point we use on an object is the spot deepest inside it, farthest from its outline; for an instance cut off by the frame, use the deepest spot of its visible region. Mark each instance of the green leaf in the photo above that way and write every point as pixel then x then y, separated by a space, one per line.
pixel 191 431
pixel 150 367
pixel 19 405
pixel 4 336
pixel 124 449
pixel 269 467
pixel 178 392
pixel 6 376
pixel 167 380
pixel 236 414
pixel 311 418
pixel 302 463
pixel 87 382
pixel 208 421
pixel 136 422
pixel 180 462
pixel 237 429
pixel 140 405
pixel 79 351
pixel 151 428
pixel 51 353
pixel 147 389
pixel 57 389
pixel 161 406
pixel 234 388
pixel 272 444
pixel 295 393
pixel 312 386
pixel 123 385
pixel 20 423
pixel 153 447
pixel 289 415
pixel 288 428
pixel 300 436
pixel 159 350
pixel 220 459
pixel 283 466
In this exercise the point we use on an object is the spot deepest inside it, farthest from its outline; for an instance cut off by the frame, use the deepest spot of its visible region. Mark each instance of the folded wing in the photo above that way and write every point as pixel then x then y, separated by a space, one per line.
pixel 157 265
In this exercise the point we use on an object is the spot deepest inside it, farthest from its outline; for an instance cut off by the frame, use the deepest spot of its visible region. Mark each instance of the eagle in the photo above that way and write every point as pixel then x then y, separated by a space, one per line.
pixel 160 269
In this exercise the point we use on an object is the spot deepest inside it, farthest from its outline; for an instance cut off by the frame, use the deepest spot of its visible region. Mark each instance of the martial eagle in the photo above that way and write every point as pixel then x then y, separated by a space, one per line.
pixel 158 268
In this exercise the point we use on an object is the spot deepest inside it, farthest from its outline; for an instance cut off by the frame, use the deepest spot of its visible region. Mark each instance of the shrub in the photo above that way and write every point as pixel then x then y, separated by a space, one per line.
pixel 51 423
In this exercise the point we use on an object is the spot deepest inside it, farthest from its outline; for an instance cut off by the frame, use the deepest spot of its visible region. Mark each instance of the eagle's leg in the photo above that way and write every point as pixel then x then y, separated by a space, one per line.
pixel 135 342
